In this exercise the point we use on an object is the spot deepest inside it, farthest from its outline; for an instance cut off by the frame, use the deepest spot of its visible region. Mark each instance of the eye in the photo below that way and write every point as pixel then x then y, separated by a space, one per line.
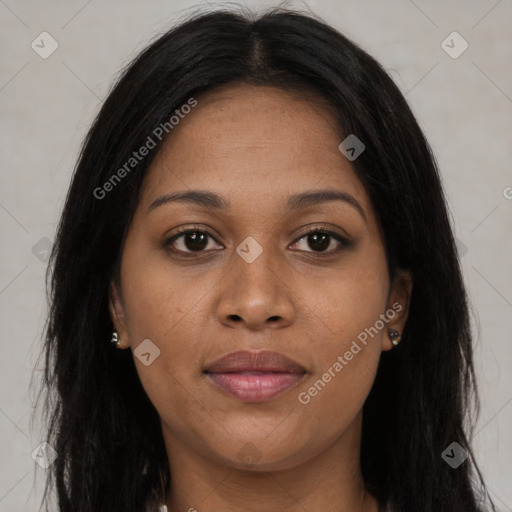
pixel 191 240
pixel 322 240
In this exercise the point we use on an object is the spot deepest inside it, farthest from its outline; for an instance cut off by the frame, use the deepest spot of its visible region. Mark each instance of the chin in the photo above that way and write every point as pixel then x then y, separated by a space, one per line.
pixel 271 458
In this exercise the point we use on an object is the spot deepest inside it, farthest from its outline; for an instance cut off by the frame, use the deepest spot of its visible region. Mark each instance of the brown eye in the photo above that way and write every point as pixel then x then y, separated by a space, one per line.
pixel 321 241
pixel 195 241
pixel 190 241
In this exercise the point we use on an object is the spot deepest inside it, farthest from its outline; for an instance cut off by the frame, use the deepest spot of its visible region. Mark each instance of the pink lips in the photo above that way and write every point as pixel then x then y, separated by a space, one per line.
pixel 255 376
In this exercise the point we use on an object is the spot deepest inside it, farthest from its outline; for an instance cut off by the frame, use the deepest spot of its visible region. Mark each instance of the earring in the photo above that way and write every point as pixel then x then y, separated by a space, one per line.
pixel 115 340
pixel 394 335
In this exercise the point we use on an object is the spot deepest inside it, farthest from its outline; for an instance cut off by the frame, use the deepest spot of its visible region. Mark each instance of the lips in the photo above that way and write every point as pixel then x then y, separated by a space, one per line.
pixel 254 376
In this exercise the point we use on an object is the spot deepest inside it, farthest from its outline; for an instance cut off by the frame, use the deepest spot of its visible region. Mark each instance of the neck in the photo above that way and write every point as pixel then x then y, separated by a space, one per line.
pixel 330 480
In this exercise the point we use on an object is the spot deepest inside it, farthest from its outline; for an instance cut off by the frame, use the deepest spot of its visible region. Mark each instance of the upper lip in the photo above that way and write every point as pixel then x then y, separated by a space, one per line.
pixel 263 361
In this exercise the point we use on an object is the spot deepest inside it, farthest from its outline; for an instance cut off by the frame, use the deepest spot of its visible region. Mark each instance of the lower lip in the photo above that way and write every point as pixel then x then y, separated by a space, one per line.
pixel 255 386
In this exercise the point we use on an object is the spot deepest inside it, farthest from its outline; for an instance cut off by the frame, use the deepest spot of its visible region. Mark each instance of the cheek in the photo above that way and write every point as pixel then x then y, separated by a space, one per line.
pixel 157 298
pixel 162 307
pixel 349 302
pixel 349 342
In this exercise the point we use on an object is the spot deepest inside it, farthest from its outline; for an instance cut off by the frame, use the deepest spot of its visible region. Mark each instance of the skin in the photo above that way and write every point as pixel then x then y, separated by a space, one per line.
pixel 255 146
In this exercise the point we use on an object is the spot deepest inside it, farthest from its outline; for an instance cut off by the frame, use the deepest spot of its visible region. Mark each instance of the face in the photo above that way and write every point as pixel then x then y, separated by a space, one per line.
pixel 264 265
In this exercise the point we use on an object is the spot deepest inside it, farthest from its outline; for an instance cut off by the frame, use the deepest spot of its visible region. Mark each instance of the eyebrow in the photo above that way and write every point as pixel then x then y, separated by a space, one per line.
pixel 209 199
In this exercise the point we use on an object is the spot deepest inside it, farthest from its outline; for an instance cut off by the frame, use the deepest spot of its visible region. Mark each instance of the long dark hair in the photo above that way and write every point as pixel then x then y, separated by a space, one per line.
pixel 111 455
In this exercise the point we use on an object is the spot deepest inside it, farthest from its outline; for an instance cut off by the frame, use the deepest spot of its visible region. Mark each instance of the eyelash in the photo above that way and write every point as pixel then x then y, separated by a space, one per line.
pixel 343 241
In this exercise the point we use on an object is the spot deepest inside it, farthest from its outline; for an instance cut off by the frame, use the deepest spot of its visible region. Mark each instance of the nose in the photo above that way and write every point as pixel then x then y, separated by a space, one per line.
pixel 255 296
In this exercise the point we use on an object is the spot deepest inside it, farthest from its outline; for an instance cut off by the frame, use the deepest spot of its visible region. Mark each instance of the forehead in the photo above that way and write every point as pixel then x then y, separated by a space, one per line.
pixel 255 142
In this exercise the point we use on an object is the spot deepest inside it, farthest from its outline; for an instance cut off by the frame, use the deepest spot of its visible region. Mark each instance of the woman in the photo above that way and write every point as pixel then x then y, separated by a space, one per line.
pixel 257 219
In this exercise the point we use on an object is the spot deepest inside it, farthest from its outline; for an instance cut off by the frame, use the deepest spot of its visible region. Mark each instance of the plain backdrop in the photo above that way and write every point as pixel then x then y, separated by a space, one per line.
pixel 463 102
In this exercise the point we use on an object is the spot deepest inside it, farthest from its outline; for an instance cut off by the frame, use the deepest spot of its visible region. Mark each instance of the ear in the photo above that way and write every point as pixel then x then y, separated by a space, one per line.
pixel 398 303
pixel 117 315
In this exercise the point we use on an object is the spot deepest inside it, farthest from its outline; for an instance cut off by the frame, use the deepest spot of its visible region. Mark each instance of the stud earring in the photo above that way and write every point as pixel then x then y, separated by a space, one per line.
pixel 115 340
pixel 394 335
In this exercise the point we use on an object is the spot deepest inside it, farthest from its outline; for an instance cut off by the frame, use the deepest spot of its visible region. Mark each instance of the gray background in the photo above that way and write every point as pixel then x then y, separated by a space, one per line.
pixel 463 104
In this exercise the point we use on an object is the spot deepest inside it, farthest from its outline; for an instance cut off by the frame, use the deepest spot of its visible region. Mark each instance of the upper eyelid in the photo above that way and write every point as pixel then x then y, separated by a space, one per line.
pixel 321 229
pixel 184 231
